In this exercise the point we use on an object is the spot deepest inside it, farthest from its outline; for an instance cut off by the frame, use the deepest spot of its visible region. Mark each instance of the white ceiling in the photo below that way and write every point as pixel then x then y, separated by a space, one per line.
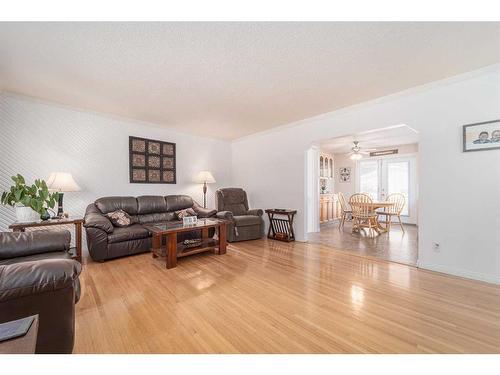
pixel 228 80
pixel 377 139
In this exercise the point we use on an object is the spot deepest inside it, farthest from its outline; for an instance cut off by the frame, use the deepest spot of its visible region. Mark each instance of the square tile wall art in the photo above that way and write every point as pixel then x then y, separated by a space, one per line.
pixel 151 161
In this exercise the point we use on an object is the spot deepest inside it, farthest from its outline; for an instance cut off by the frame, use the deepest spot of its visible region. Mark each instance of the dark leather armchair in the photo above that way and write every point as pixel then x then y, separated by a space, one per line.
pixel 37 276
pixel 245 224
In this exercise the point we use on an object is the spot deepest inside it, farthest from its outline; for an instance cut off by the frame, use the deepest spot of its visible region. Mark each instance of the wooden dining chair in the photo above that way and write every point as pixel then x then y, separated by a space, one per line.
pixel 363 215
pixel 346 211
pixel 399 202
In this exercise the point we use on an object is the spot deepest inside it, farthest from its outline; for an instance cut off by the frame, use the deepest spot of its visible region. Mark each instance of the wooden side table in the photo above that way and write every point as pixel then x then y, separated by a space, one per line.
pixel 281 229
pixel 24 344
pixel 77 222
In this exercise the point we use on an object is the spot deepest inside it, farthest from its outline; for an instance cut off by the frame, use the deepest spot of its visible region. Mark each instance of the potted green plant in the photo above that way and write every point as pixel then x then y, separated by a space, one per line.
pixel 30 202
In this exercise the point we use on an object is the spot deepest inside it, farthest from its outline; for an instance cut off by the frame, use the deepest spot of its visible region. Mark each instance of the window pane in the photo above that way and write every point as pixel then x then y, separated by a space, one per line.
pixel 368 178
pixel 398 179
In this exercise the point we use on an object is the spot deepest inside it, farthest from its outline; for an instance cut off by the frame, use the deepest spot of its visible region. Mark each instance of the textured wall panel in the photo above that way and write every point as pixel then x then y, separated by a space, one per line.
pixel 37 138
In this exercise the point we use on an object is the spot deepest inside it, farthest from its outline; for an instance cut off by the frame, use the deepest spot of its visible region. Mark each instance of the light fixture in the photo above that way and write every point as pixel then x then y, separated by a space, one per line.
pixel 356 156
pixel 205 177
pixel 61 182
pixel 357 153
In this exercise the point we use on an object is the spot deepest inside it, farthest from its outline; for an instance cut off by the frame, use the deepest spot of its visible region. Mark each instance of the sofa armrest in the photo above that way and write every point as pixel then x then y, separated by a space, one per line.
pixel 99 221
pixel 28 278
pixel 97 243
pixel 19 244
pixel 203 212
pixel 225 215
pixel 256 212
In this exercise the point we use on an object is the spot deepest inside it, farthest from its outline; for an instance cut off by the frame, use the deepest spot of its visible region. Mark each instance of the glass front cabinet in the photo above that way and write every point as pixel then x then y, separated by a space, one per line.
pixel 329 206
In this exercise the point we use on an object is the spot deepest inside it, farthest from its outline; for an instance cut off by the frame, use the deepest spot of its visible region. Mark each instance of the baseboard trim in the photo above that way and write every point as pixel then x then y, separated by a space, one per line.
pixel 460 272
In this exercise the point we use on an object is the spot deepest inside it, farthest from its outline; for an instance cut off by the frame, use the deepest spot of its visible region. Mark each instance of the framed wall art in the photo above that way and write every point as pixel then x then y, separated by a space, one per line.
pixel 152 161
pixel 345 174
pixel 481 136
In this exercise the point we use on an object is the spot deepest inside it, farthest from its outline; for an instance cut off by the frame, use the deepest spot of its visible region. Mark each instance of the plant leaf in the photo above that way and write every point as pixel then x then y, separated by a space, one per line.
pixel 18 195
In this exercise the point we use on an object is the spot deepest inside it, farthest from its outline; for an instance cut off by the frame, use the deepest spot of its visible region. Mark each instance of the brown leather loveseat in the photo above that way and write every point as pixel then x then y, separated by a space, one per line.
pixel 106 241
pixel 38 276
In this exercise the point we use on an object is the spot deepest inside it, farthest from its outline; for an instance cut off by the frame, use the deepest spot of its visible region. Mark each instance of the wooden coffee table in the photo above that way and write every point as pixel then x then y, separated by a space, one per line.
pixel 175 250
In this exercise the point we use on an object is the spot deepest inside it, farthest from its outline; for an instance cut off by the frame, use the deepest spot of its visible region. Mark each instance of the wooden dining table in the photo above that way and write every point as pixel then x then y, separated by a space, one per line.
pixel 373 206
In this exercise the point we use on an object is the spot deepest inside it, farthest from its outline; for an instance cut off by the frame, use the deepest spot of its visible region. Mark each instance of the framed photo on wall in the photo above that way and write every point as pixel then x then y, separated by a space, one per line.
pixel 345 174
pixel 481 136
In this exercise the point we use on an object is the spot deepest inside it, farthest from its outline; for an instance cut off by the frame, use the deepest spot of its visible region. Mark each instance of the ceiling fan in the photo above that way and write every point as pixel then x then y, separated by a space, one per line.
pixel 357 152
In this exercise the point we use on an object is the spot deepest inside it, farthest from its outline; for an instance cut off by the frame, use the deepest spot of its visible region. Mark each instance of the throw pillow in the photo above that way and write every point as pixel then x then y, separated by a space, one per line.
pixel 120 218
pixel 185 213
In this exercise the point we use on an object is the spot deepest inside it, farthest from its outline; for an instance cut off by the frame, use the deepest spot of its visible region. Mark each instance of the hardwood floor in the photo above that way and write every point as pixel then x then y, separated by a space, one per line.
pixel 270 297
pixel 395 245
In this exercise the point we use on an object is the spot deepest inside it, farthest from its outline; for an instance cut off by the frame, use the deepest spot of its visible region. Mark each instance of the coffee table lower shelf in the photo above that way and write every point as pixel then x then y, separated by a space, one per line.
pixel 174 250
pixel 184 251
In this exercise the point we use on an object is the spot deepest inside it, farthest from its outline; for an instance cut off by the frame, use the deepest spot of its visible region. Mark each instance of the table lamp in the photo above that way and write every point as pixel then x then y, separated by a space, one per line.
pixel 205 177
pixel 62 183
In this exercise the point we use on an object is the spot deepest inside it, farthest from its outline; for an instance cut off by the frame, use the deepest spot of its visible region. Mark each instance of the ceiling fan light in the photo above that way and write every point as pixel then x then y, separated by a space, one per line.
pixel 356 156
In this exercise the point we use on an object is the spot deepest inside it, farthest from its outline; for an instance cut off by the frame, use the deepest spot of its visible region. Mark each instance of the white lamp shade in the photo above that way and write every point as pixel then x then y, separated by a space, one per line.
pixel 62 182
pixel 205 176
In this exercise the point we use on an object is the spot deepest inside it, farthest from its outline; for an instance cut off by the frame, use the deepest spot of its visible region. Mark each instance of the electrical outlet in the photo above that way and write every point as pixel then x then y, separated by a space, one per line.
pixel 436 247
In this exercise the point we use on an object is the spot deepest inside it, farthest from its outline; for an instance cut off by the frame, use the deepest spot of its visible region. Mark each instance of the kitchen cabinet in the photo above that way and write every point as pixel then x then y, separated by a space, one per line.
pixel 329 207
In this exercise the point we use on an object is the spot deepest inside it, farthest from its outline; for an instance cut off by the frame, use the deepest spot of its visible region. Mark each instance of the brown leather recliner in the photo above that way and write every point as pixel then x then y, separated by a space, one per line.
pixel 105 241
pixel 245 224
pixel 37 276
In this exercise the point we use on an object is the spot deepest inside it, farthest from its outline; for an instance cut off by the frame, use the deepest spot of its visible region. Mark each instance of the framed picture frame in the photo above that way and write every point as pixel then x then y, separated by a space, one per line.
pixel 152 161
pixel 345 174
pixel 481 136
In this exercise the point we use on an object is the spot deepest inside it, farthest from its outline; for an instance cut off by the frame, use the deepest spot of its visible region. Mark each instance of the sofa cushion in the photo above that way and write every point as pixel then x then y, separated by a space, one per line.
pixel 157 218
pixel 133 232
pixel 19 244
pixel 110 204
pixel 37 257
pixel 120 249
pixel 150 204
pixel 232 199
pixel 233 195
pixel 246 220
pixel 237 209
pixel 178 202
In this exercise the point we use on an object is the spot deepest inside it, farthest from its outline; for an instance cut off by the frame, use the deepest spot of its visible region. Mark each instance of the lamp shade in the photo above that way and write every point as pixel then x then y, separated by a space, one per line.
pixel 205 177
pixel 62 182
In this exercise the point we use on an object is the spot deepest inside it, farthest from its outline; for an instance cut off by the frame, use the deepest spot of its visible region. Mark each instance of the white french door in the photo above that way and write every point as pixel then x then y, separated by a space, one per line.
pixel 384 176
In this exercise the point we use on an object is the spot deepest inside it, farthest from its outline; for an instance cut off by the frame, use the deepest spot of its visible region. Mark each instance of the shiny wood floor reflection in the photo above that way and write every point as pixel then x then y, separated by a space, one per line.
pixel 395 245
pixel 272 297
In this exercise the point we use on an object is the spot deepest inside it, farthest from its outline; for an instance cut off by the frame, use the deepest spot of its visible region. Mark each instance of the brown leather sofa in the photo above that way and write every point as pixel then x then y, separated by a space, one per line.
pixel 105 241
pixel 245 224
pixel 37 276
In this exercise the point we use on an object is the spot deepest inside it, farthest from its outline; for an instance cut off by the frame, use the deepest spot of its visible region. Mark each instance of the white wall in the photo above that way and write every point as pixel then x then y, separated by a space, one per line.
pixel 38 138
pixel 343 160
pixel 458 205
